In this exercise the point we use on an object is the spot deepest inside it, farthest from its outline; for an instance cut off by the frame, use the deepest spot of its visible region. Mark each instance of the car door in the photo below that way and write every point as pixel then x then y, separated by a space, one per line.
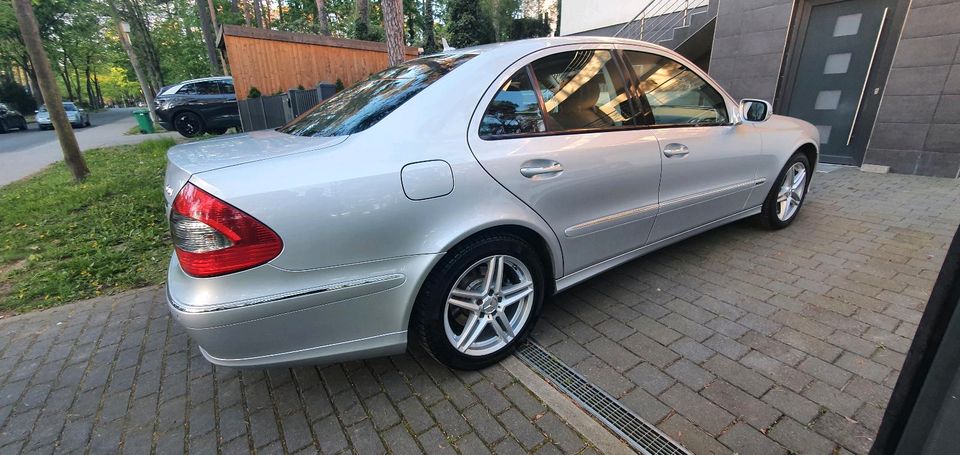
pixel 228 111
pixel 709 168
pixel 558 130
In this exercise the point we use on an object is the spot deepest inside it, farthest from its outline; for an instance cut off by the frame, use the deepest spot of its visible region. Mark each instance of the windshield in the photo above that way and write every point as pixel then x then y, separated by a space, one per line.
pixel 69 107
pixel 364 104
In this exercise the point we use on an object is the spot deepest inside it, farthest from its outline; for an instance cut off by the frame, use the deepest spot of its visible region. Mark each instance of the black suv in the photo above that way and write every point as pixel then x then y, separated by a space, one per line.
pixel 199 106
pixel 10 119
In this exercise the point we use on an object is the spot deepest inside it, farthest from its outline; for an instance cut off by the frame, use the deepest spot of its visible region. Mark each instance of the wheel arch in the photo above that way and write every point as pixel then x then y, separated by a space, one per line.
pixel 810 151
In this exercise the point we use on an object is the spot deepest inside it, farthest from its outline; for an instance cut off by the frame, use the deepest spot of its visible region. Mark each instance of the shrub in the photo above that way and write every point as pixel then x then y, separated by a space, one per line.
pixel 253 93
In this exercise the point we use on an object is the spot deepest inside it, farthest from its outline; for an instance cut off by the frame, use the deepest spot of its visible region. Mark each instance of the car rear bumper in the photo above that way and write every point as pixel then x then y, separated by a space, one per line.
pixel 271 317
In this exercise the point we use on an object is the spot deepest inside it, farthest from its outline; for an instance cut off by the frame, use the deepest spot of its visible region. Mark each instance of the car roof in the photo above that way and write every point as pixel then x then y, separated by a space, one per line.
pixel 203 79
pixel 529 45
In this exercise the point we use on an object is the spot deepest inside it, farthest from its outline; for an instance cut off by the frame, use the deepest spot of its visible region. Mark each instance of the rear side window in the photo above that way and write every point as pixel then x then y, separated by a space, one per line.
pixel 200 88
pixel 676 94
pixel 226 87
pixel 514 110
pixel 583 90
pixel 364 104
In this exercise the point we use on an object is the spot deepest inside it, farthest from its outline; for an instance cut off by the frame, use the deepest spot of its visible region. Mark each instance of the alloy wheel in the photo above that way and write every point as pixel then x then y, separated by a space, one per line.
pixel 791 191
pixel 488 305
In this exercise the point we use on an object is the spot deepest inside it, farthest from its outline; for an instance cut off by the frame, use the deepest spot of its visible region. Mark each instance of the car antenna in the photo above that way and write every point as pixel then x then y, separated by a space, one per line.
pixel 446 45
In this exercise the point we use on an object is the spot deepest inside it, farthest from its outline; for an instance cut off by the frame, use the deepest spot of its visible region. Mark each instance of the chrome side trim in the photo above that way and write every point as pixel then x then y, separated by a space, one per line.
pixel 691 199
pixel 587 272
pixel 388 280
pixel 609 221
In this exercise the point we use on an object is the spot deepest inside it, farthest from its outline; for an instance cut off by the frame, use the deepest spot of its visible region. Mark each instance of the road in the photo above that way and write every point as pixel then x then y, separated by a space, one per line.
pixel 23 153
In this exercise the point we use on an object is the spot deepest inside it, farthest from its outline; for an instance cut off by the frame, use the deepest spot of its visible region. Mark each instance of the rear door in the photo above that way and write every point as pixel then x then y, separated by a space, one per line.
pixel 559 131
pixel 709 165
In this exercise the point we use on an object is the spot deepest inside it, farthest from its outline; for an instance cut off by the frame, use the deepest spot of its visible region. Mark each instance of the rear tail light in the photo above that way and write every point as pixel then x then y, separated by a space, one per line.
pixel 214 238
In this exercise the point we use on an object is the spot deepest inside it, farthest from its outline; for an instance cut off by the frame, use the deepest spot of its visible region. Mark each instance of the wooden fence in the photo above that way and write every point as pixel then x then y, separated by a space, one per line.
pixel 274 61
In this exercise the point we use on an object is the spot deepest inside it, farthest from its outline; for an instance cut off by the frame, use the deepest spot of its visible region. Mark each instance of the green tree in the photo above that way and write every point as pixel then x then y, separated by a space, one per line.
pixel 467 25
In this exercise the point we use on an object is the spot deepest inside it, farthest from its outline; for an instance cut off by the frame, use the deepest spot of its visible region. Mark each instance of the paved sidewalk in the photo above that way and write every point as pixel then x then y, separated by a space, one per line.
pixel 115 374
pixel 757 342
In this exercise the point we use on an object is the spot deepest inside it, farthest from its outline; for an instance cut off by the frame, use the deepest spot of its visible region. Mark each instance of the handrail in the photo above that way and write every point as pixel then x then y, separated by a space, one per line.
pixel 658 17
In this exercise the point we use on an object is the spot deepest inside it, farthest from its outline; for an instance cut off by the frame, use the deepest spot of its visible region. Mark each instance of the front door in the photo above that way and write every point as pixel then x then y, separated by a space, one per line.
pixel 560 134
pixel 709 164
pixel 835 57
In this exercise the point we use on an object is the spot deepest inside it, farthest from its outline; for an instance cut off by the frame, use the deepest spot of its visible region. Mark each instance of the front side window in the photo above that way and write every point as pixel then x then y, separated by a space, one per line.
pixel 364 104
pixel 514 110
pixel 583 90
pixel 676 94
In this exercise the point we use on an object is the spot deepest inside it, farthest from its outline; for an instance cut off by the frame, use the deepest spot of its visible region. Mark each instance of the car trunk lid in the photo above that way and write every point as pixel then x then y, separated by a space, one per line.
pixel 192 158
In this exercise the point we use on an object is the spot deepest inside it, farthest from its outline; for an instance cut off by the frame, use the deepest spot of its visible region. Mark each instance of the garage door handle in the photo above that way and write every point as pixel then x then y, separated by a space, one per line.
pixel 534 168
pixel 675 151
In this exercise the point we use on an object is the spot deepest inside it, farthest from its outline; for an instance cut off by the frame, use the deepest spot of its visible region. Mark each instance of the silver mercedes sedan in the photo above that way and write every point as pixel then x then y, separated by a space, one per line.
pixel 440 201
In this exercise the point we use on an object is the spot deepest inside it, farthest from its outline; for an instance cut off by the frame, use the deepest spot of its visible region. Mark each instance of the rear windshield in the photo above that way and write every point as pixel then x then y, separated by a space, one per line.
pixel 364 104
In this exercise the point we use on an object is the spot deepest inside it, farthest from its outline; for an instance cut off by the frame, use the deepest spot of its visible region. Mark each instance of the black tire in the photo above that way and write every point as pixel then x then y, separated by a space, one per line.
pixel 188 124
pixel 23 125
pixel 87 124
pixel 217 131
pixel 769 213
pixel 429 312
pixel 3 127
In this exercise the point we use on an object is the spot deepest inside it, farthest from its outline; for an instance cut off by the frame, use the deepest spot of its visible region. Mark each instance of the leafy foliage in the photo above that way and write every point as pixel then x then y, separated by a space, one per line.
pixel 16 97
pixel 61 241
pixel 467 24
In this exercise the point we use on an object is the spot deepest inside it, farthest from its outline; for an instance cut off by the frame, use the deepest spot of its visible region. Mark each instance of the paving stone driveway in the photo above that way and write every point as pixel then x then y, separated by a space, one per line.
pixel 763 342
pixel 737 340
pixel 116 375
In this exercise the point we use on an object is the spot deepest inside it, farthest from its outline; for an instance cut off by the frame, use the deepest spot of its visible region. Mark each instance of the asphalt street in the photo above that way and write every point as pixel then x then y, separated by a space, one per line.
pixel 25 152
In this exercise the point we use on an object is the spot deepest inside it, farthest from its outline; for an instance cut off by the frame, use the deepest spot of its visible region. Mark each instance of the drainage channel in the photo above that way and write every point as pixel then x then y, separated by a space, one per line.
pixel 642 436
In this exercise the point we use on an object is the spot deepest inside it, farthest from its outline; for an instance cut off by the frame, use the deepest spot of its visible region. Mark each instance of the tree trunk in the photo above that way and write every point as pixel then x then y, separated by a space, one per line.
pixel 323 19
pixel 90 95
pixel 213 17
pixel 207 38
pixel 30 32
pixel 65 76
pixel 363 12
pixel 266 14
pixel 96 85
pixel 258 13
pixel 144 43
pixel 76 80
pixel 393 28
pixel 134 62
pixel 429 36
pixel 245 11
pixel 34 84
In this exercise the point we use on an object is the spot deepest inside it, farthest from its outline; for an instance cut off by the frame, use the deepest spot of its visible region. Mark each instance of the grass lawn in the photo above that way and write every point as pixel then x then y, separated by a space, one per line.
pixel 61 241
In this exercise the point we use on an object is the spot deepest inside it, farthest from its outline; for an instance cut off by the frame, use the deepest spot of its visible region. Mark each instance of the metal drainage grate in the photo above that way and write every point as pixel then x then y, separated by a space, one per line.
pixel 642 436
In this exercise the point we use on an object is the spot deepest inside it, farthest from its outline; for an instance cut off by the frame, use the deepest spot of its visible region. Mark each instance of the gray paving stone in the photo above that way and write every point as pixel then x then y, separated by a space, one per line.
pixel 746 440
pixel 697 409
pixel 739 403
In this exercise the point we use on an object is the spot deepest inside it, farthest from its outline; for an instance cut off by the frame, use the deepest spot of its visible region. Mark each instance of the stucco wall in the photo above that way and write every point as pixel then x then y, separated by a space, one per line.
pixel 748 46
pixel 918 126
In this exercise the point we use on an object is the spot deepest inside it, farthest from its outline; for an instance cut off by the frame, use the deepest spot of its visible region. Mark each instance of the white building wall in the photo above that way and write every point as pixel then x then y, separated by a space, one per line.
pixel 582 15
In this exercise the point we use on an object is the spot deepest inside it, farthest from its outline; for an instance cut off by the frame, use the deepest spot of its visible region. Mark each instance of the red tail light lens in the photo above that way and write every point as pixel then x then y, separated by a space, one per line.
pixel 214 238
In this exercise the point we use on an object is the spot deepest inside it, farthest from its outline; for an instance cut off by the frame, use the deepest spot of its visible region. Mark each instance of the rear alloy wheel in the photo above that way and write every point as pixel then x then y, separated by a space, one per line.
pixel 479 302
pixel 188 124
pixel 786 197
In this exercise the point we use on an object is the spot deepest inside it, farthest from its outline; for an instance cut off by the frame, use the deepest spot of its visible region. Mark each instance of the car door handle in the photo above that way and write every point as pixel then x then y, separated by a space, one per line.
pixel 533 168
pixel 675 151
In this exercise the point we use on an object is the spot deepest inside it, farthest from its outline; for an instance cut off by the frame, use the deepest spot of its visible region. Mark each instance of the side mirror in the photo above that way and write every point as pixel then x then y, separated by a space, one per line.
pixel 752 110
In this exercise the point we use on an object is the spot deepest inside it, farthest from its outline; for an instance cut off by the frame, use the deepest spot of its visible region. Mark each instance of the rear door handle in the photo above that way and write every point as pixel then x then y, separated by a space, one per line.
pixel 675 151
pixel 533 168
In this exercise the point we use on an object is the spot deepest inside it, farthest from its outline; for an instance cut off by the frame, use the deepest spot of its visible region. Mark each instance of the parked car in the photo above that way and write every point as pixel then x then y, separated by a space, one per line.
pixel 11 119
pixel 199 106
pixel 440 201
pixel 78 117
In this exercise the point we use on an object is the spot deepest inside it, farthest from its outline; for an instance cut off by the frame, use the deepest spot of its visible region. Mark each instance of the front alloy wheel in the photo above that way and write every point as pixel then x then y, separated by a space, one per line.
pixel 791 191
pixel 488 305
pixel 480 300
pixel 786 197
